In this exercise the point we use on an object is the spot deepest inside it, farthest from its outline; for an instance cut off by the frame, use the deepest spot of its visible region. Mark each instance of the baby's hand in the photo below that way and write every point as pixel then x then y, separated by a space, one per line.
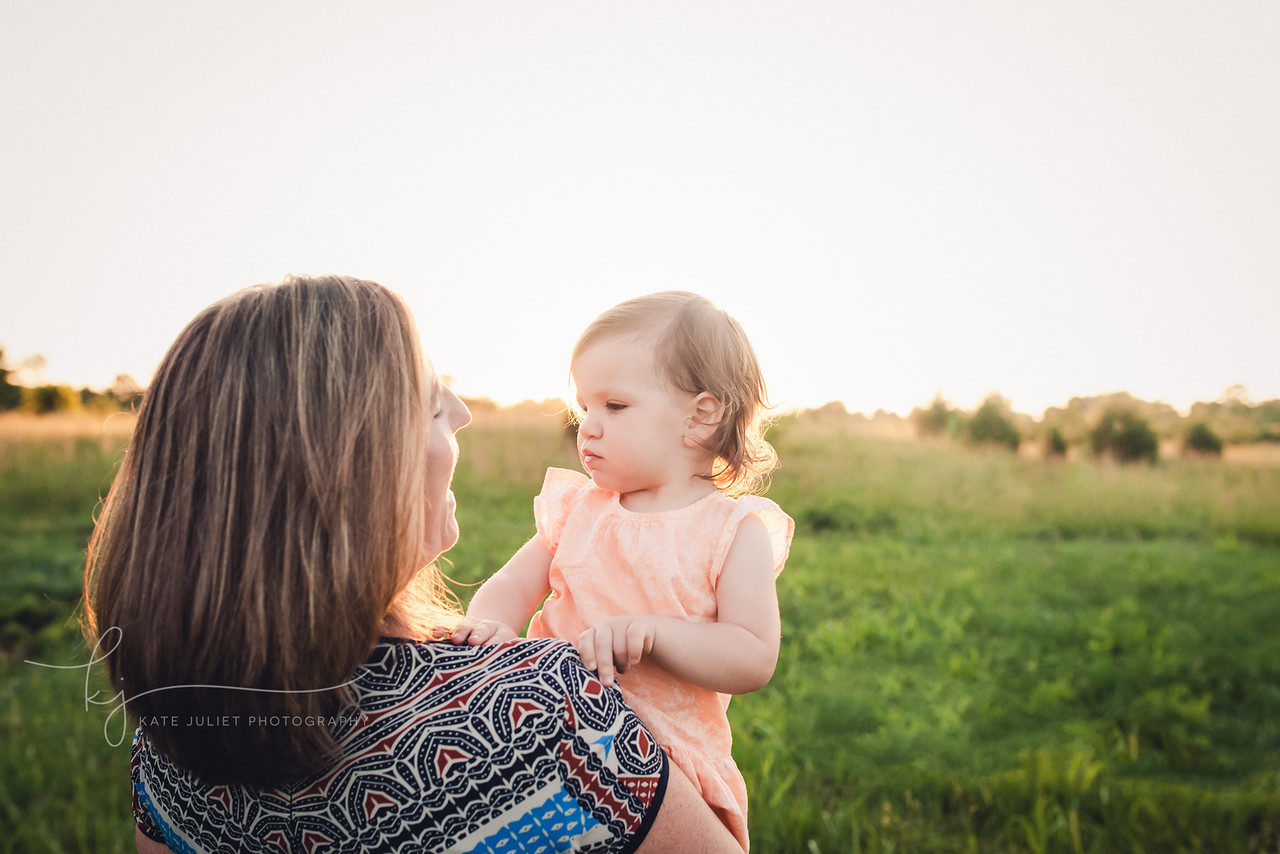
pixel 475 631
pixel 617 644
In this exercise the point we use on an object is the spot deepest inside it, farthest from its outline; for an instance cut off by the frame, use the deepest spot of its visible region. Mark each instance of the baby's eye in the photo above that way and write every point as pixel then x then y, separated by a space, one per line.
pixel 614 406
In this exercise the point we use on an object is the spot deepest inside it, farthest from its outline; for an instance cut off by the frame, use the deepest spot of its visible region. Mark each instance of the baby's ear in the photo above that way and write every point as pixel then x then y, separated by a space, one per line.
pixel 701 426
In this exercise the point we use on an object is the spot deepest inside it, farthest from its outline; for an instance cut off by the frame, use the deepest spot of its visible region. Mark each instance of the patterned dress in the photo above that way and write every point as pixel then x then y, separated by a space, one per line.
pixel 505 748
pixel 608 560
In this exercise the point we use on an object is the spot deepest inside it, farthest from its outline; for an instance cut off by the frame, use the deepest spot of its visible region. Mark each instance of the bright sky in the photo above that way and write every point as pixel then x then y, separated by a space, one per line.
pixel 894 199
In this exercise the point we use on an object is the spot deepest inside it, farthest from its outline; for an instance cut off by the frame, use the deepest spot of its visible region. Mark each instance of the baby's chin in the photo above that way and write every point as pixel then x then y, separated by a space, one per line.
pixel 603 481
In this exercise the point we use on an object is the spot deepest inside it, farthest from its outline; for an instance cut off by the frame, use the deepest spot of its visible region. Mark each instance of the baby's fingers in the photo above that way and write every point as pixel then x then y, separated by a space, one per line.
pixel 462 631
pixel 639 643
pixel 478 632
pixel 596 648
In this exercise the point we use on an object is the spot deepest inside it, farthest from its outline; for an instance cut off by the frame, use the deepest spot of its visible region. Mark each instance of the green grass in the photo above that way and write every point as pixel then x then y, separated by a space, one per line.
pixel 63 788
pixel 47 494
pixel 981 653
pixel 957 676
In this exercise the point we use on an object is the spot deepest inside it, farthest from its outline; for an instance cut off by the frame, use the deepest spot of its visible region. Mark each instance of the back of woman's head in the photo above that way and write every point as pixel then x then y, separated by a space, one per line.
pixel 698 347
pixel 267 512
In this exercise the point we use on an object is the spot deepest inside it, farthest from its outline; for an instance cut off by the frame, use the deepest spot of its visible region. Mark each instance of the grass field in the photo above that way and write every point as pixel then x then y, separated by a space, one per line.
pixel 982 652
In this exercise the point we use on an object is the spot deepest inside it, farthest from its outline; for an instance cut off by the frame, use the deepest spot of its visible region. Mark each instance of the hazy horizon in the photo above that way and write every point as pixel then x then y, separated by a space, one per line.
pixel 1230 394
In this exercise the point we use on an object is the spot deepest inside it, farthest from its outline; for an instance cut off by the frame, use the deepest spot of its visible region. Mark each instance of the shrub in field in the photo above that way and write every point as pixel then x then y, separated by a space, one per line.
pixel 1125 437
pixel 1238 421
pixel 1055 444
pixel 1201 439
pixel 937 420
pixel 844 516
pixel 10 394
pixel 50 398
pixel 1268 417
pixel 991 425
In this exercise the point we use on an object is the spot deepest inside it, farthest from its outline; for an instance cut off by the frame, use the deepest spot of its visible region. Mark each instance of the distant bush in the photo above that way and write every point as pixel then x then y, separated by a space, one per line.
pixel 1124 437
pixel 10 394
pixel 1201 439
pixel 937 420
pixel 45 399
pixel 990 425
pixel 106 401
pixel 1055 444
pixel 1268 418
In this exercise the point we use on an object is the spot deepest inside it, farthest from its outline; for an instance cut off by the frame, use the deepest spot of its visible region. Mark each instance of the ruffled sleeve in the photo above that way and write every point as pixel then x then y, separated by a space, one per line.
pixel 551 506
pixel 779 525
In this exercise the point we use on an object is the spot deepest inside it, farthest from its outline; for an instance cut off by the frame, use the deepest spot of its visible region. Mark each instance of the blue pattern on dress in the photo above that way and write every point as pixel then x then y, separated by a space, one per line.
pixel 554 826
pixel 171 838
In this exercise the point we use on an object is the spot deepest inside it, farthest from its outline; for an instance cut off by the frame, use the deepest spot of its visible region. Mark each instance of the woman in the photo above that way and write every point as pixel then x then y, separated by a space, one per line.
pixel 257 574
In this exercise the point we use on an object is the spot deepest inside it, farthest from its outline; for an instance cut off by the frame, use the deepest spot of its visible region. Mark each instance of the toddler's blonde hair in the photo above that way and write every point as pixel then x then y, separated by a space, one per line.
pixel 699 348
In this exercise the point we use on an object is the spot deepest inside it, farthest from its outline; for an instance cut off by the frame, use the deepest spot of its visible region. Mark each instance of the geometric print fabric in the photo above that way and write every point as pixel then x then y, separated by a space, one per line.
pixel 508 748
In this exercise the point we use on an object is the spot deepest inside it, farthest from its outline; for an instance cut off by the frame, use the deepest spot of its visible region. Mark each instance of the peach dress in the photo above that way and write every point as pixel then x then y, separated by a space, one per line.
pixel 607 560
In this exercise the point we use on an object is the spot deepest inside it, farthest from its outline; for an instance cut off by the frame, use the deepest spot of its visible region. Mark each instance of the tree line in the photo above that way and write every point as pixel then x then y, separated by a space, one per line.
pixel 1112 426
pixel 1117 426
pixel 46 398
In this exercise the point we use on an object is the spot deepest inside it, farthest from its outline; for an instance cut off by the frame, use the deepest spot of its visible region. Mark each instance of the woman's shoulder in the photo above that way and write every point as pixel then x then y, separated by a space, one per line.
pixel 398 667
pixel 394 655
pixel 514 691
pixel 430 684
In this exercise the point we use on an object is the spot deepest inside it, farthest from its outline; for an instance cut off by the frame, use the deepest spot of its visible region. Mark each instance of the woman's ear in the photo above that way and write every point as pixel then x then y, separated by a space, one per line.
pixel 702 424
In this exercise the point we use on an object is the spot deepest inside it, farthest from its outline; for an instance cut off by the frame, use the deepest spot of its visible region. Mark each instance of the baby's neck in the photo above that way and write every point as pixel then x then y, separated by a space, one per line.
pixel 672 496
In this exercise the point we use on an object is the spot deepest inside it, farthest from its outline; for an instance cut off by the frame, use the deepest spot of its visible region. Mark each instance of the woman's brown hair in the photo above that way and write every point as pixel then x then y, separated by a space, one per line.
pixel 699 348
pixel 270 509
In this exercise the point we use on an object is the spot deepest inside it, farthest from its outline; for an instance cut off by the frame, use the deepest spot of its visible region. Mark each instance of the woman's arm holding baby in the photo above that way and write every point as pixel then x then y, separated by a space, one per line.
pixel 505 602
pixel 734 655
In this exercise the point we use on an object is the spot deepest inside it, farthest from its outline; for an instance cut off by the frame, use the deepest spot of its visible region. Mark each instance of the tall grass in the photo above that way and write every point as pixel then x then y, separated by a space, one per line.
pixel 60 781
pixel 63 788
pixel 916 490
pixel 981 653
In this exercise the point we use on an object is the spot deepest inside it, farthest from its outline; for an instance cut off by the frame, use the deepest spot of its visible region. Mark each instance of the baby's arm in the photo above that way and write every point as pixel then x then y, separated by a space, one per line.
pixel 505 602
pixel 734 655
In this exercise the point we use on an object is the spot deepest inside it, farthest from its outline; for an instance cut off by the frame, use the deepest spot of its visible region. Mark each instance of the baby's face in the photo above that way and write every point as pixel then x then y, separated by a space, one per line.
pixel 631 437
